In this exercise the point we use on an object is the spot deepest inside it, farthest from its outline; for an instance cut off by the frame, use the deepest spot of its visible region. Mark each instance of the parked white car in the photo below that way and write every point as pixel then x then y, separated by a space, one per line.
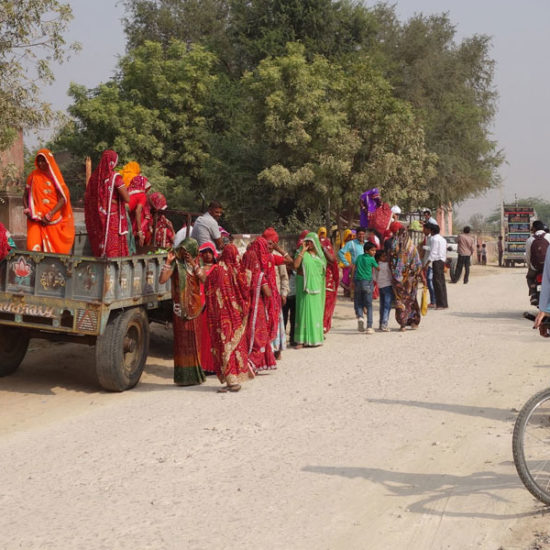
pixel 452 253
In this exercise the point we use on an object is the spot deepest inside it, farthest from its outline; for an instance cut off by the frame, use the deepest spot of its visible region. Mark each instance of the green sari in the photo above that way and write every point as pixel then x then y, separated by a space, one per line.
pixel 310 296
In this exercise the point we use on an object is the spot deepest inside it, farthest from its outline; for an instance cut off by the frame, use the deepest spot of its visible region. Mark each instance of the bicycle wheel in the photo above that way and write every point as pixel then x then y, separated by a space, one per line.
pixel 531 445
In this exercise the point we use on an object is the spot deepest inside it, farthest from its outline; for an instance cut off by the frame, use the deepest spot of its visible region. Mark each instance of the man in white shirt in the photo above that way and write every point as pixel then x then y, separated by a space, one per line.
pixel 428 218
pixel 206 227
pixel 437 257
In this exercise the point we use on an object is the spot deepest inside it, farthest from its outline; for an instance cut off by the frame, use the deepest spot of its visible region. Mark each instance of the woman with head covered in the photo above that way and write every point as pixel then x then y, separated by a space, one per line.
pixel 50 223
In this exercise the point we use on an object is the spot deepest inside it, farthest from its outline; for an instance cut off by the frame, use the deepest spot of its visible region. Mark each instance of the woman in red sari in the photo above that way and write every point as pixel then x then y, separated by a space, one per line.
pixel 227 302
pixel 332 278
pixel 260 351
pixel 50 223
pixel 208 255
pixel 105 209
pixel 164 230
pixel 273 303
pixel 140 214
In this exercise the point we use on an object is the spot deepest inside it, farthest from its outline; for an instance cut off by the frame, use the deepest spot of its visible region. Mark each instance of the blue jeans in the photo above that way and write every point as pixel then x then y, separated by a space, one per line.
pixel 362 299
pixel 386 297
pixel 430 278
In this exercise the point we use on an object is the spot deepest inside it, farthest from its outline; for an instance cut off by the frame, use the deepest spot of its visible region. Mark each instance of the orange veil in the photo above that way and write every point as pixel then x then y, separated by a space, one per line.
pixel 44 190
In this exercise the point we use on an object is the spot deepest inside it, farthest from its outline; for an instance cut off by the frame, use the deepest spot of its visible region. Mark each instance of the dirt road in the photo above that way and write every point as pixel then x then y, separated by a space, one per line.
pixel 392 440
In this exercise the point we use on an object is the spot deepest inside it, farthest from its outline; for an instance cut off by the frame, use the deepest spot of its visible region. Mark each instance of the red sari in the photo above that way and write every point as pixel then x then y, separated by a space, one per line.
pixel 332 281
pixel 227 302
pixel 260 351
pixel 273 304
pixel 105 210
pixel 164 230
pixel 205 350
pixel 138 196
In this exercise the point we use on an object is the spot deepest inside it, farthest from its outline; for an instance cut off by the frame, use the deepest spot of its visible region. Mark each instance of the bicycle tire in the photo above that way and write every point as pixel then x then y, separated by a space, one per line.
pixel 531 445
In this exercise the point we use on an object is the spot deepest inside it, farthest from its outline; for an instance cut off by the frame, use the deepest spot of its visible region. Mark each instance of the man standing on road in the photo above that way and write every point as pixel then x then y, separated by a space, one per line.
pixel 207 228
pixel 437 257
pixel 426 265
pixel 465 249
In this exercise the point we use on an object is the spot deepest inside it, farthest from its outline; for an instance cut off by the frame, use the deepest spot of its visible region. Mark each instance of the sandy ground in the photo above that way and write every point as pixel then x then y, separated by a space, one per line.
pixel 392 440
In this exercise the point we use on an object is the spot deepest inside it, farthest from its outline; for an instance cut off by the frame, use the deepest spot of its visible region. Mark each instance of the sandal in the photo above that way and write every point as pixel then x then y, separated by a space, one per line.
pixel 231 388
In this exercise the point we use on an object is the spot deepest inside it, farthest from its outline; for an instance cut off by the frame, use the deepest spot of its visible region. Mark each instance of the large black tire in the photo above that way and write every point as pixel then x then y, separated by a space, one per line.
pixel 121 351
pixel 531 445
pixel 13 347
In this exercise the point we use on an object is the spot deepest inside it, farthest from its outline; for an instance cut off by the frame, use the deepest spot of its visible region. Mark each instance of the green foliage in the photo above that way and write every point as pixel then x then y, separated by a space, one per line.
pixel 451 89
pixel 31 37
pixel 188 21
pixel 333 131
pixel 153 112
pixel 278 108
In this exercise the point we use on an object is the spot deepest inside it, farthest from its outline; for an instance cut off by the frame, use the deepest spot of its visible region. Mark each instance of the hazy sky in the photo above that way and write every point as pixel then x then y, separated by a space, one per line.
pixel 520 45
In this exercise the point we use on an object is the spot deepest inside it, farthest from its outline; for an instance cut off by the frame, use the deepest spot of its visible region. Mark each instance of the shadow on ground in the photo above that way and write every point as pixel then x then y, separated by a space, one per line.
pixel 436 487
pixel 491 413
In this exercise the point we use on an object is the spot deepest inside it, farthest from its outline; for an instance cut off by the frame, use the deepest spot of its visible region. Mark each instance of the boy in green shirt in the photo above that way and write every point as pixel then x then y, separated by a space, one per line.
pixel 364 286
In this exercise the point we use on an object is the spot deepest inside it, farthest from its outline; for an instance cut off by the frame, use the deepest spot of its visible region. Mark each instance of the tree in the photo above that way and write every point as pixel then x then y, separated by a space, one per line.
pixel 450 87
pixel 331 132
pixel 188 21
pixel 153 112
pixel 31 38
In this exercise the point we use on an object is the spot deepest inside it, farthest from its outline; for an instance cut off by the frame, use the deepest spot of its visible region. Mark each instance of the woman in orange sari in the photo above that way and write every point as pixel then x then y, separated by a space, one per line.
pixel 50 223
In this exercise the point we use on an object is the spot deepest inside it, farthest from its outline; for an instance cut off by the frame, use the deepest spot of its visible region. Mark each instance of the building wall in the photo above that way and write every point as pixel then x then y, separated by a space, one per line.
pixel 14 155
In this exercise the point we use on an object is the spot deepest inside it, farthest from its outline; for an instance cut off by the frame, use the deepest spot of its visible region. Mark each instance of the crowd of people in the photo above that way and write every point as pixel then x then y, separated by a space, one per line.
pixel 231 308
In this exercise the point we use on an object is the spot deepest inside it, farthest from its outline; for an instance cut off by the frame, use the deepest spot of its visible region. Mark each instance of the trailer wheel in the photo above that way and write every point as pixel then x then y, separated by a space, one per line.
pixel 121 351
pixel 13 347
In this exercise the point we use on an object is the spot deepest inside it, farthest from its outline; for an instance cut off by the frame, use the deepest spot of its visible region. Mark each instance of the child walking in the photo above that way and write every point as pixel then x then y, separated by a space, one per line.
pixel 364 286
pixel 383 277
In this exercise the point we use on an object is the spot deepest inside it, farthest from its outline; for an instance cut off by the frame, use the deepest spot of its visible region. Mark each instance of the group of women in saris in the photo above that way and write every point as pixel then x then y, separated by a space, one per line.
pixel 119 211
pixel 212 321
pixel 234 334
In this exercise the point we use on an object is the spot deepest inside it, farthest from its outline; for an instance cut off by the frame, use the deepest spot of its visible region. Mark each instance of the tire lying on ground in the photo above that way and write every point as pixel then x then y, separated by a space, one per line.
pixel 121 351
pixel 13 347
